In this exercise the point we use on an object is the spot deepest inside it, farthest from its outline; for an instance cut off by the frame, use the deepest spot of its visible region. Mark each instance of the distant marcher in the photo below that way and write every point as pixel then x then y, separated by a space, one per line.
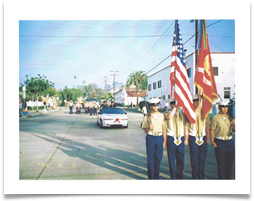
pixel 91 110
pixel 20 108
pixel 131 104
pixel 44 103
pixel 144 111
pixel 77 107
pixel 95 110
pixel 166 106
pixel 71 106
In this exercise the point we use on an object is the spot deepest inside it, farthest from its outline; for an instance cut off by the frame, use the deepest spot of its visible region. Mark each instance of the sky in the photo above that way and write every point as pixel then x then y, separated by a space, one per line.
pixel 91 49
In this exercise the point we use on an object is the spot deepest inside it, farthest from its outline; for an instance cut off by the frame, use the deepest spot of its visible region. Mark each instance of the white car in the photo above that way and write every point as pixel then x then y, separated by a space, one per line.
pixel 112 117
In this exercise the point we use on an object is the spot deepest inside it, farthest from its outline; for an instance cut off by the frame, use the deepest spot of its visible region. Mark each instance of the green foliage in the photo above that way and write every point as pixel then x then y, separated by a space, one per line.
pixel 36 86
pixel 70 94
pixel 139 79
pixel 35 107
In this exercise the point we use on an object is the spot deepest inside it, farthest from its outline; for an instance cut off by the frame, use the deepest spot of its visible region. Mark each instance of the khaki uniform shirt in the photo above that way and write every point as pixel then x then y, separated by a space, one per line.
pixel 194 130
pixel 182 120
pixel 70 104
pixel 221 125
pixel 157 120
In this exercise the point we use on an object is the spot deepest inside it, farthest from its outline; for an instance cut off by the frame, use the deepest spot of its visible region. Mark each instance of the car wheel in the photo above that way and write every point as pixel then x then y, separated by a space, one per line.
pixel 126 126
pixel 101 124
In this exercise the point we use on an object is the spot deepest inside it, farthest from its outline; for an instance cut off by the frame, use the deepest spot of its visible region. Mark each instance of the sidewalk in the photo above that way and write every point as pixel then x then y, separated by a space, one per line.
pixel 32 113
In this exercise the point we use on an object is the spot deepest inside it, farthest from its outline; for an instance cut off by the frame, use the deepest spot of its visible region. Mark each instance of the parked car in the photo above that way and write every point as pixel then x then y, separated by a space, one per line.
pixel 112 117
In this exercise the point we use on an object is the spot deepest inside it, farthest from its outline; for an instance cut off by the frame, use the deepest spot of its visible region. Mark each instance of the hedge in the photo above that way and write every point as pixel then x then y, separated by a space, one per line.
pixel 35 108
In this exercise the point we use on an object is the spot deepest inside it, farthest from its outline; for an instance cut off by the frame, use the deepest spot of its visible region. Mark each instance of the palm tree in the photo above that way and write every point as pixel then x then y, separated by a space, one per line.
pixel 138 79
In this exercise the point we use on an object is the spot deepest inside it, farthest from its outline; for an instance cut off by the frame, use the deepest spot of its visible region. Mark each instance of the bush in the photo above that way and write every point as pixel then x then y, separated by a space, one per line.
pixel 35 108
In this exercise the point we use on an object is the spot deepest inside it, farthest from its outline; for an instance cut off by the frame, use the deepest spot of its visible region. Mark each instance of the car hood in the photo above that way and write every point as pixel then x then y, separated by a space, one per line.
pixel 114 115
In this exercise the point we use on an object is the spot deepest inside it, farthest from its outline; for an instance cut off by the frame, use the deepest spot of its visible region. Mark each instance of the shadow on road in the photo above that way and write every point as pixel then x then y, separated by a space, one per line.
pixel 122 162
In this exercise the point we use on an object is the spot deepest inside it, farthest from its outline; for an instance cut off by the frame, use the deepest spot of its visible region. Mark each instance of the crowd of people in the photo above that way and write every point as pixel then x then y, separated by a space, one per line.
pixel 88 107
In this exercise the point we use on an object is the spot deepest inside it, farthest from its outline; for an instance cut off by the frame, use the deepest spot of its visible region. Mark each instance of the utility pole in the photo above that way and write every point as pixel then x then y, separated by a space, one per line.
pixel 114 81
pixel 105 84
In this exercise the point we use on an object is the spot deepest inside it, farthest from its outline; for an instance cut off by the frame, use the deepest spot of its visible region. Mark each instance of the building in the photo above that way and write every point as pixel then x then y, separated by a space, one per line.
pixel 127 96
pixel 224 74
pixel 159 86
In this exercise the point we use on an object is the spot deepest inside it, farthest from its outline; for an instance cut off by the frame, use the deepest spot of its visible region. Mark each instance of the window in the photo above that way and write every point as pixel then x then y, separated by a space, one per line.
pixel 159 84
pixel 226 92
pixel 149 87
pixel 215 71
pixel 189 72
pixel 154 85
pixel 168 96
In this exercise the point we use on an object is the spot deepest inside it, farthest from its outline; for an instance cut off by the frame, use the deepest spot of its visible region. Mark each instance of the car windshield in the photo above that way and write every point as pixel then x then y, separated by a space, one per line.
pixel 111 111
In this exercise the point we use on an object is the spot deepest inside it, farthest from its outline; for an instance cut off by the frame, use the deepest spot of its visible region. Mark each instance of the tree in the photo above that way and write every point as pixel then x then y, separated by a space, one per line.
pixel 138 79
pixel 37 86
pixel 88 91
pixel 70 94
pixel 107 96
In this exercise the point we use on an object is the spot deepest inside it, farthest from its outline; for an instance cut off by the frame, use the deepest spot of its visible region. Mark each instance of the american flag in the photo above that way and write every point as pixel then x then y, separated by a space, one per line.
pixel 180 87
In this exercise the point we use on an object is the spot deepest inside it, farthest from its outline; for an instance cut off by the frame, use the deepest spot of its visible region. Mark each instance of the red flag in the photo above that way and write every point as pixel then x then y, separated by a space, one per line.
pixel 180 87
pixel 204 76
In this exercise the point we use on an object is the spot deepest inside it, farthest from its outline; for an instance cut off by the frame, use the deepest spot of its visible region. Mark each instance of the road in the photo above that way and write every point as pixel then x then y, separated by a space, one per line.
pixel 60 146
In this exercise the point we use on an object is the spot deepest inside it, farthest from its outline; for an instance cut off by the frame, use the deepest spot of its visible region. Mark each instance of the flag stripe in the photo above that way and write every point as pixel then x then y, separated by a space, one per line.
pixel 184 88
pixel 180 87
pixel 186 103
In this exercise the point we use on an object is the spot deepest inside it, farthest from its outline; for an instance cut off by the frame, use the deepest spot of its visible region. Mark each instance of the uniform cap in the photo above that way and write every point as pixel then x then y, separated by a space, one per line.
pixel 154 101
pixel 195 97
pixel 223 103
pixel 171 100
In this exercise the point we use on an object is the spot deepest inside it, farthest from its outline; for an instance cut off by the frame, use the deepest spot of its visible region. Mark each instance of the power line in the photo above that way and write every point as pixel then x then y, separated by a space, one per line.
pixel 94 36
pixel 147 42
pixel 183 44
pixel 157 41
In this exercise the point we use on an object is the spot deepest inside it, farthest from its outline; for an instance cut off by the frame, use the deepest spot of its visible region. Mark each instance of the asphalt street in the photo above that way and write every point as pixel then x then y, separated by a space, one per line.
pixel 60 146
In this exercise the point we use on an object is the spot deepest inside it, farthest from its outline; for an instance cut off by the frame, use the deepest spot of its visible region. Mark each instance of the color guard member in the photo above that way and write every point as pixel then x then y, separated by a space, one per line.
pixel 222 126
pixel 155 128
pixel 198 142
pixel 175 140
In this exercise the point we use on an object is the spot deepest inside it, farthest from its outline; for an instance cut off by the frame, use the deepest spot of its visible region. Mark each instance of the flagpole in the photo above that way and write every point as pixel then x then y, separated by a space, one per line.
pixel 177 112
pixel 196 49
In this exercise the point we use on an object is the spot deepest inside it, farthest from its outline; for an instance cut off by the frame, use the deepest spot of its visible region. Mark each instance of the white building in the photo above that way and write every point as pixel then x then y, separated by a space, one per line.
pixel 127 96
pixel 159 85
pixel 224 73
